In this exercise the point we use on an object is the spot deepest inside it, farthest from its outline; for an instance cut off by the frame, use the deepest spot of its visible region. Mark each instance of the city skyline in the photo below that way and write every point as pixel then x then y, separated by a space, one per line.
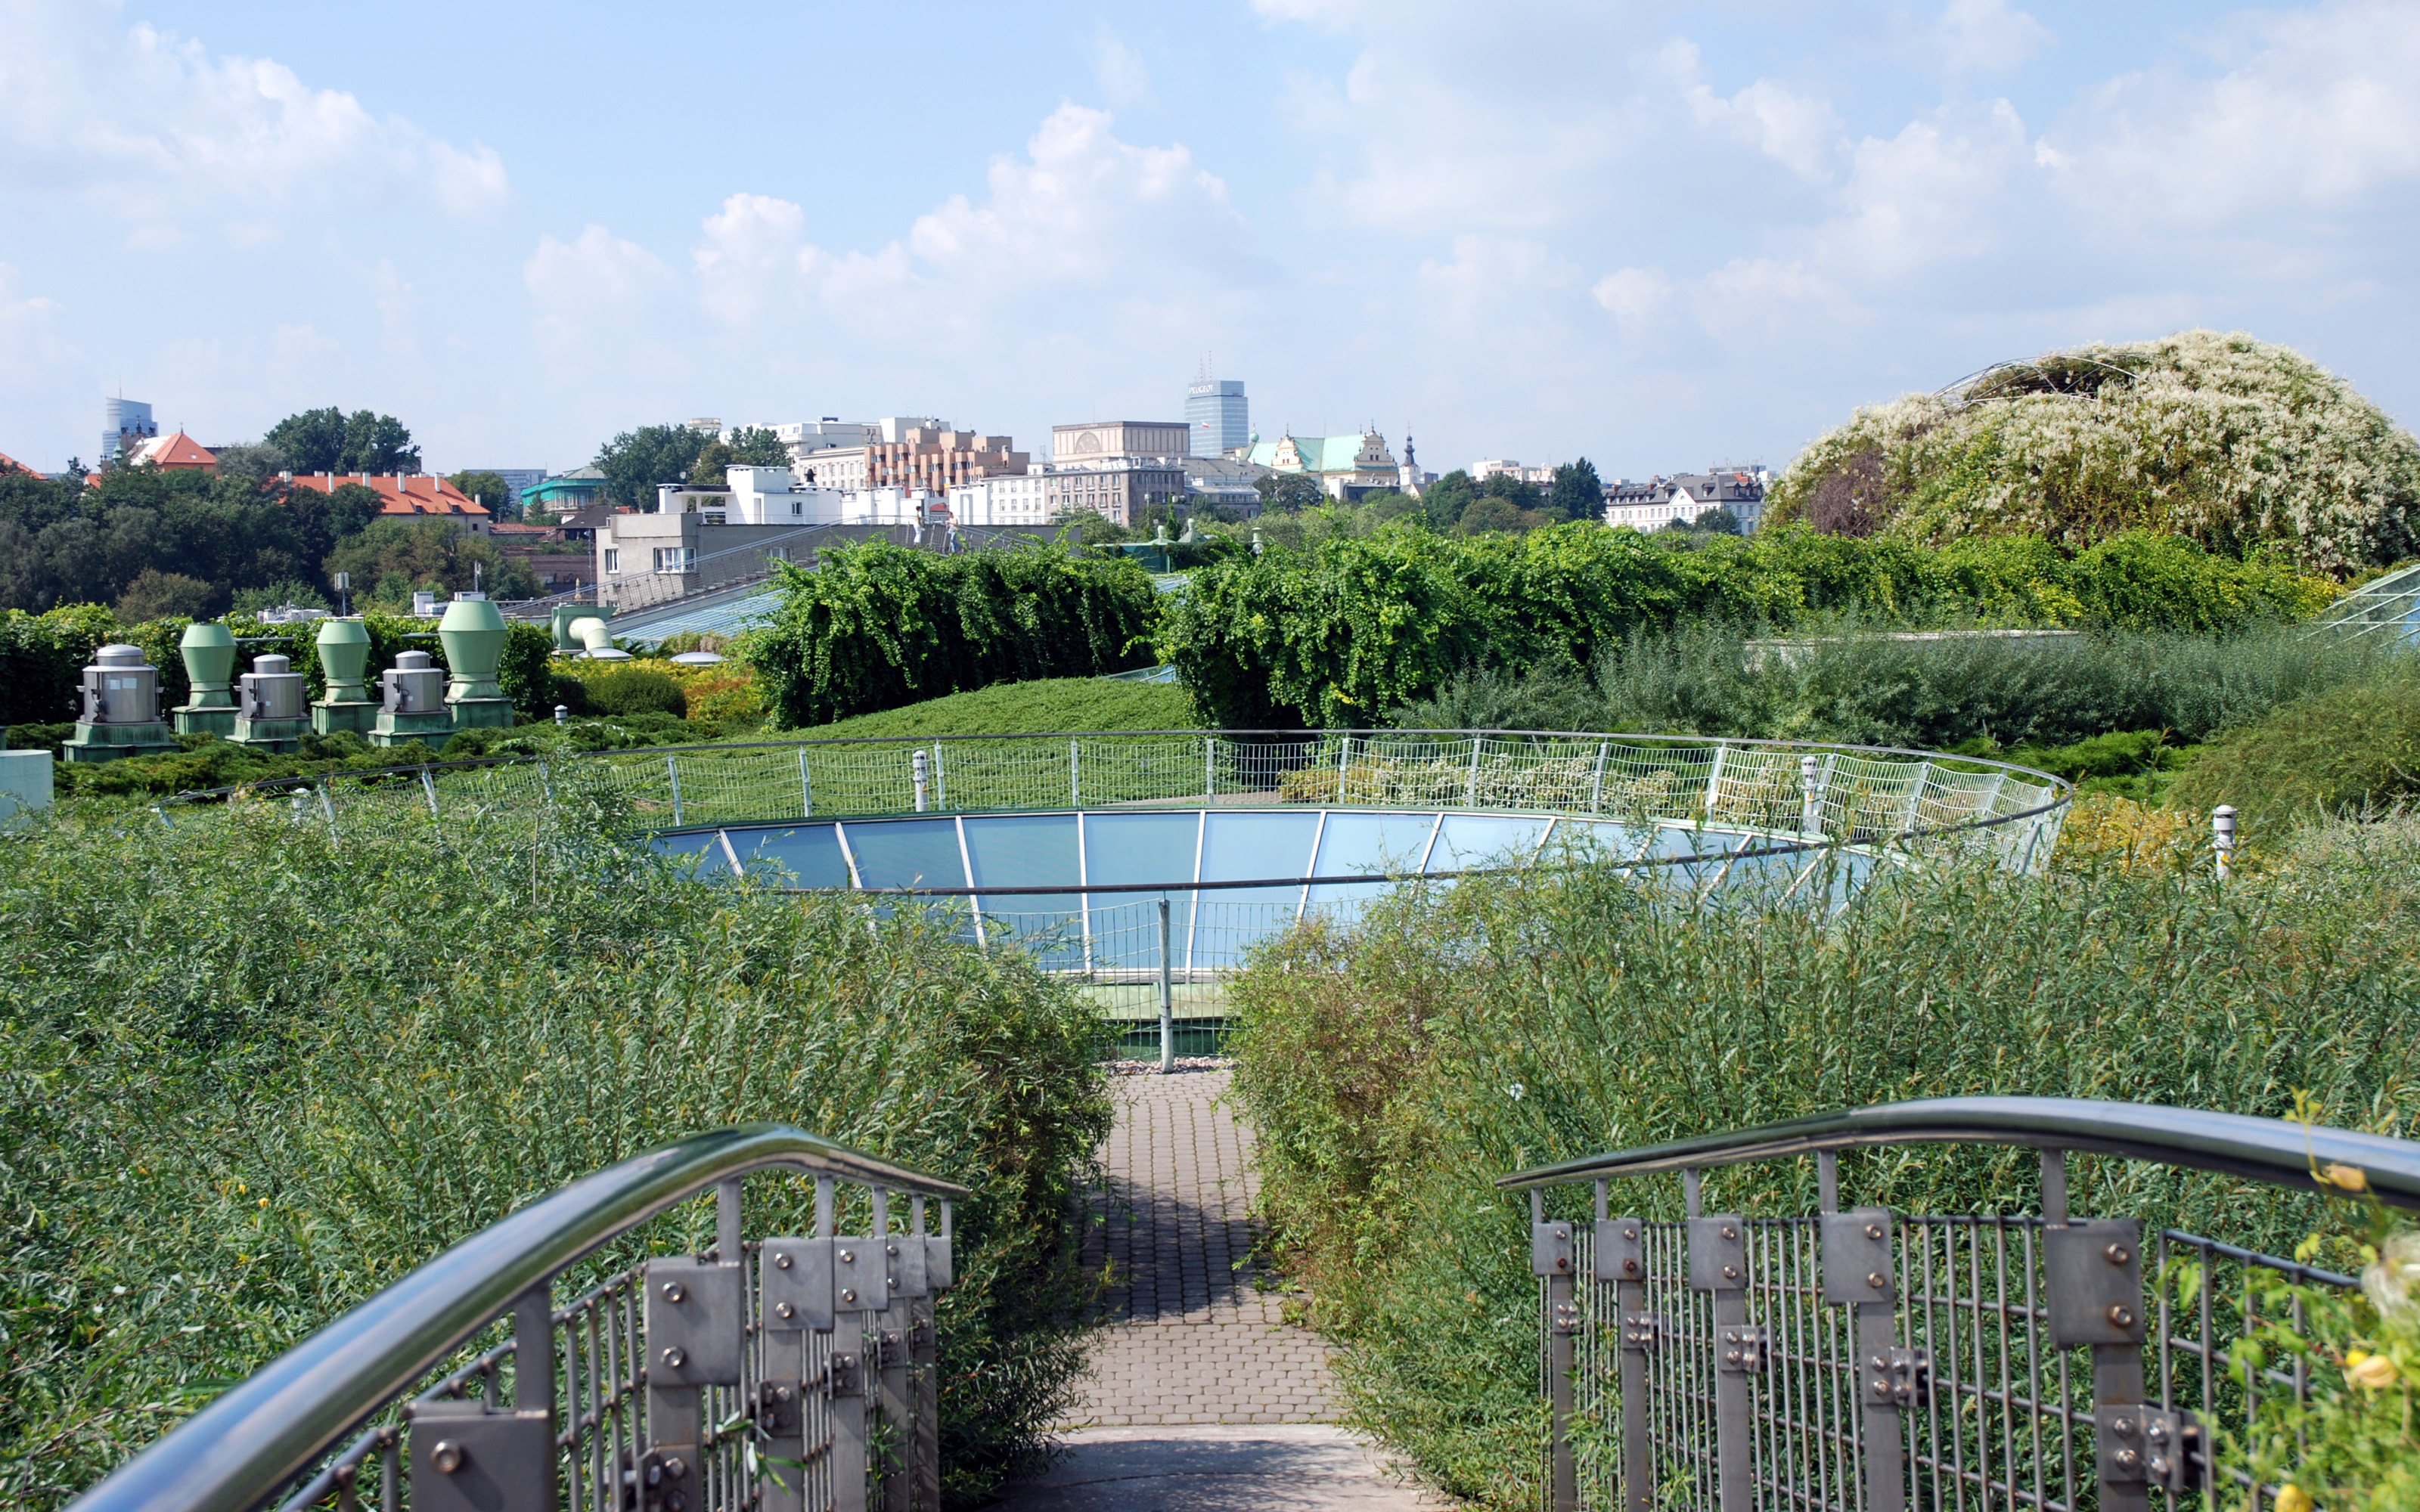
pixel 1679 232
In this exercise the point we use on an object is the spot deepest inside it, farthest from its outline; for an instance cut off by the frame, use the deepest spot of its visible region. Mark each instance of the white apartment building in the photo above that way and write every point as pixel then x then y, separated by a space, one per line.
pixel 845 467
pixel 805 437
pixel 1016 504
pixel 1482 470
pixel 1660 502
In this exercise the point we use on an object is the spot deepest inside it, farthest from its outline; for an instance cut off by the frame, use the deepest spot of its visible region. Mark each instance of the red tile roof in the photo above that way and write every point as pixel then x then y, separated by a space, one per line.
pixel 9 464
pixel 174 452
pixel 403 495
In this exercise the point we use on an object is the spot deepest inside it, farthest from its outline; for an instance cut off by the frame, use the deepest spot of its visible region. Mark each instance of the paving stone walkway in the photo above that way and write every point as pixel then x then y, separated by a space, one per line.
pixel 1190 1336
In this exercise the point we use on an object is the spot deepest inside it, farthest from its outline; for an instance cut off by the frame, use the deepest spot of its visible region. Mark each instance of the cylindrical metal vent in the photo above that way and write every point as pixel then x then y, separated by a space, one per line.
pixel 273 691
pixel 412 686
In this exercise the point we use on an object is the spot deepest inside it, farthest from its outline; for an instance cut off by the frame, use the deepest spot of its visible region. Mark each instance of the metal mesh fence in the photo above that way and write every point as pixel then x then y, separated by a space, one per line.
pixel 1859 797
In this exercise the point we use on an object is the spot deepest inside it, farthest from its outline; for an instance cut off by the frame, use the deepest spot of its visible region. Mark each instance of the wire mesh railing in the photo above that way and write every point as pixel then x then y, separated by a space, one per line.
pixel 1849 795
pixel 795 1374
pixel 1864 1361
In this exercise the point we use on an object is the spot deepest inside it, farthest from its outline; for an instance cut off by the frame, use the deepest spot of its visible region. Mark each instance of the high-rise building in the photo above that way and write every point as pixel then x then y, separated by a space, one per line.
pixel 125 424
pixel 1218 416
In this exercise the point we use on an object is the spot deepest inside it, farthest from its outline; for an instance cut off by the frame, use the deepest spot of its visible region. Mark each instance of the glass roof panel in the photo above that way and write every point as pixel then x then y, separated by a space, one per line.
pixel 1134 848
pixel 1469 841
pixel 704 850
pixel 1019 852
pixel 1368 842
pixel 807 855
pixel 906 853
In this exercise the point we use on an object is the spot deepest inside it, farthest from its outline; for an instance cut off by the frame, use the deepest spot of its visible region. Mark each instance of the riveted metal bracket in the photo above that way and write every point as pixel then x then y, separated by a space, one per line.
pixel 1641 1333
pixel 889 1348
pixel 1718 1254
pixel 1620 1249
pixel 1740 1349
pixel 861 1276
pixel 794 1282
pixel 697 1322
pixel 667 1482
pixel 465 1458
pixel 1857 1256
pixel 906 1258
pixel 1550 1249
pixel 2094 1267
pixel 2175 1449
pixel 1566 1318
pixel 776 1408
pixel 936 1262
pixel 1898 1376
pixel 844 1375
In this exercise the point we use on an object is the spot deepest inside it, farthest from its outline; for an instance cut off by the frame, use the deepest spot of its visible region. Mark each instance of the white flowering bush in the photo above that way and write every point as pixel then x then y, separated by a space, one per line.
pixel 2236 443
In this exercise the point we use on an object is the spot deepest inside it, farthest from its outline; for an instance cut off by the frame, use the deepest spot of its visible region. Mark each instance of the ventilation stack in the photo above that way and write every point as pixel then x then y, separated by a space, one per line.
pixel 345 660
pixel 414 706
pixel 122 710
pixel 270 712
pixel 208 651
pixel 472 633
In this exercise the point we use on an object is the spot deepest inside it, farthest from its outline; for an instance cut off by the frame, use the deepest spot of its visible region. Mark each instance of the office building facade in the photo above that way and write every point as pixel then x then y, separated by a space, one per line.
pixel 1218 417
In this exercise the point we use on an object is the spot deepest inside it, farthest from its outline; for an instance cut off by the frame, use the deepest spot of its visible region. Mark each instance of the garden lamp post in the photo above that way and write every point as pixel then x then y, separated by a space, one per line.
pixel 2222 837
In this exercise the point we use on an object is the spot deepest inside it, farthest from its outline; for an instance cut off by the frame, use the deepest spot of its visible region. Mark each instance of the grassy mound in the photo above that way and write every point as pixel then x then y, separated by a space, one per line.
pixel 1392 1071
pixel 1050 706
pixel 2233 443
pixel 253 1075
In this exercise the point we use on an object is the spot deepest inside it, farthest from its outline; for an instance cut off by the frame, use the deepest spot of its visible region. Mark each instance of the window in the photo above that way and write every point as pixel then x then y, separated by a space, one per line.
pixel 613 558
pixel 676 557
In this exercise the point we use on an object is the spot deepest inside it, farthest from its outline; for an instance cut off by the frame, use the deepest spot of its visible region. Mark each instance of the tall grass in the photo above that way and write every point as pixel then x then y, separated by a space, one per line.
pixel 250 1074
pixel 1843 683
pixel 1394 1069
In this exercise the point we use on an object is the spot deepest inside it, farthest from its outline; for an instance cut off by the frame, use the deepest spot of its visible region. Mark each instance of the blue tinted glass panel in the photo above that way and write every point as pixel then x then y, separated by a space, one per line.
pixel 1367 843
pixel 906 853
pixel 1598 840
pixel 703 853
pixel 806 855
pixel 1133 848
pixel 1471 840
pixel 1241 847
pixel 1024 852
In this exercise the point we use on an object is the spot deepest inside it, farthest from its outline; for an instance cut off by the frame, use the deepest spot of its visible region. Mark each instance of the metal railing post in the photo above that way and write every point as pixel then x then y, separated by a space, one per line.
pixel 1471 795
pixel 1167 997
pixel 1344 766
pixel 806 788
pixel 1715 781
pixel 427 785
pixel 918 763
pixel 1550 1259
pixel 844 1372
pixel 924 1374
pixel 1718 1265
pixel 1915 798
pixel 1596 791
pixel 672 771
pixel 1075 777
pixel 896 1472
pixel 1209 767
pixel 1860 1273
pixel 940 779
pixel 1810 803
pixel 1622 1259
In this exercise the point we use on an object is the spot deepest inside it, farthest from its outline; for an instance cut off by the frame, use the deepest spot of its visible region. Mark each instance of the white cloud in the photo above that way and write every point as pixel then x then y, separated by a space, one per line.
pixel 1799 130
pixel 1987 36
pixel 153 127
pixel 598 297
pixel 1938 192
pixel 2317 112
pixel 1120 71
pixel 1637 298
pixel 30 346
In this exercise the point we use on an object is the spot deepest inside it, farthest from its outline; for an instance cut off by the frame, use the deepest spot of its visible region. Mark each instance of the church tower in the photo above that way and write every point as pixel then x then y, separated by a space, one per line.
pixel 1408 477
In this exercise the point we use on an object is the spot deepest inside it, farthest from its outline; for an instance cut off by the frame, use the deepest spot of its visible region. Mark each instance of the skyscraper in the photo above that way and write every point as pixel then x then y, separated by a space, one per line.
pixel 125 424
pixel 1215 412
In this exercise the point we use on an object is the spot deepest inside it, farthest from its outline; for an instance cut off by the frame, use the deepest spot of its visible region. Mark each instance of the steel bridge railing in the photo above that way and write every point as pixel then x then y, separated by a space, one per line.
pixel 757 1374
pixel 1863 1361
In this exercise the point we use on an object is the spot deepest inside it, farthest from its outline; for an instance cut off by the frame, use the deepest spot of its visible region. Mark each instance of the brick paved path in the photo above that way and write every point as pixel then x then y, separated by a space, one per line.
pixel 1189 1337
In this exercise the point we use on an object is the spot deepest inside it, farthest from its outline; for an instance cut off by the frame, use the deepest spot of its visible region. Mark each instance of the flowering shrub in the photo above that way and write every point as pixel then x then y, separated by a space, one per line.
pixel 2232 442
pixel 2352 1445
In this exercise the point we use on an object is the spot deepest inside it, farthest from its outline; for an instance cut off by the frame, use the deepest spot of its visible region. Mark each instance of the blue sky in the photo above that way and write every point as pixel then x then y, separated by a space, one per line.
pixel 1660 236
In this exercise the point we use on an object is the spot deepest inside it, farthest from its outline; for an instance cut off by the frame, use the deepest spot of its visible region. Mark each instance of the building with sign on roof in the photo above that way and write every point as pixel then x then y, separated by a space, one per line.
pixel 408 496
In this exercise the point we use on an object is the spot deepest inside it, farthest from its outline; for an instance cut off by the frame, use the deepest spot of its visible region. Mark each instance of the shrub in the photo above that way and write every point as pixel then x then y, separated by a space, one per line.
pixel 255 1072
pixel 628 690
pixel 1393 1069
pixel 1356 628
pixel 1844 681
pixel 877 626
pixel 2352 747
pixel 2225 440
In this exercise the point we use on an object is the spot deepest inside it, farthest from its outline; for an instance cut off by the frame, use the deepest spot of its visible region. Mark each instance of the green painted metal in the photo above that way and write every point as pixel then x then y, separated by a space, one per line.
pixel 472 633
pixel 344 647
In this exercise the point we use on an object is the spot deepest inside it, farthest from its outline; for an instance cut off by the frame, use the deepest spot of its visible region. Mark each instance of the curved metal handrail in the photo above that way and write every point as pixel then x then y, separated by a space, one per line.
pixel 2307 1157
pixel 299 1405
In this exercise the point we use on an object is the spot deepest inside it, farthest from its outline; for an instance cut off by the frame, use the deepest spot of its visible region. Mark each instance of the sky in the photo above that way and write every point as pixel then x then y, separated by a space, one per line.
pixel 1661 236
